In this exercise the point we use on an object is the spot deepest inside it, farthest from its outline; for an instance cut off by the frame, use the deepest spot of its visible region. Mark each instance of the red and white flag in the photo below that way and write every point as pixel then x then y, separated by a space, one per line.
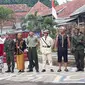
pixel 53 10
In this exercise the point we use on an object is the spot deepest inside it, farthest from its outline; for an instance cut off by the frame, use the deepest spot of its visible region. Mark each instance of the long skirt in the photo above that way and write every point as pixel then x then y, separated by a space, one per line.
pixel 20 62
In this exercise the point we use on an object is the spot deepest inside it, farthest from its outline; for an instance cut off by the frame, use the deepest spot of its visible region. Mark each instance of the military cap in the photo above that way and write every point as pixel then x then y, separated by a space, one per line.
pixel 62 27
pixel 46 31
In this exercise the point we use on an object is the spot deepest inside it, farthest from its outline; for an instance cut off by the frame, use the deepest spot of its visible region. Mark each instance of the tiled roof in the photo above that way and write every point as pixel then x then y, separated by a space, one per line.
pixel 70 7
pixel 45 12
pixel 17 7
pixel 20 11
pixel 39 7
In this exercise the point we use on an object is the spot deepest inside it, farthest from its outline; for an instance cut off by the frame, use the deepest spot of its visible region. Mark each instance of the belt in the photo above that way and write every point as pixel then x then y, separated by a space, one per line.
pixel 45 46
pixel 32 47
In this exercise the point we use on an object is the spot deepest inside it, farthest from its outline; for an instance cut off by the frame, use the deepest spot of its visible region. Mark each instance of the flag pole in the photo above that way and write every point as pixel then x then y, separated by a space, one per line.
pixel 54 14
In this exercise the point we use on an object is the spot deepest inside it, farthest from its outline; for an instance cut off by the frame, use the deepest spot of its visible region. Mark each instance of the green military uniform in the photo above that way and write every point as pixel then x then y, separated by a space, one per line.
pixel 78 43
pixel 9 47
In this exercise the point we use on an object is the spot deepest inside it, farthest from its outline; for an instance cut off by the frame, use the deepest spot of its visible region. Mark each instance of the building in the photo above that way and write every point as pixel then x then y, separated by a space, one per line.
pixel 20 10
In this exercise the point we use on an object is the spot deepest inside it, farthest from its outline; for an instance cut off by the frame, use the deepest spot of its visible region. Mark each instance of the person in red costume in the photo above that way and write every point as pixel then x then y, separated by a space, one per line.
pixel 1 52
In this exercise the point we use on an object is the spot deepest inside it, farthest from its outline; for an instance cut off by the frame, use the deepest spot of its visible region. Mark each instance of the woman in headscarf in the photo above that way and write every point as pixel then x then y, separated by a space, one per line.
pixel 19 49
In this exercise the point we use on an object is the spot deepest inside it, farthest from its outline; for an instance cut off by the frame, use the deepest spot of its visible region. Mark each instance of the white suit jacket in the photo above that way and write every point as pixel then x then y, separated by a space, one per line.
pixel 43 46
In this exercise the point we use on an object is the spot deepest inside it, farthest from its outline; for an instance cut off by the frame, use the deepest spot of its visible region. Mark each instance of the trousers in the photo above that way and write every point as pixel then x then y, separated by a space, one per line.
pixel 79 58
pixel 45 58
pixel 10 59
pixel 33 58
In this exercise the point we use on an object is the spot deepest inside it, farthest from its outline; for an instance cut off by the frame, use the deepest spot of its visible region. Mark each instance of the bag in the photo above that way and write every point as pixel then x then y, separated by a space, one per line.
pixel 73 49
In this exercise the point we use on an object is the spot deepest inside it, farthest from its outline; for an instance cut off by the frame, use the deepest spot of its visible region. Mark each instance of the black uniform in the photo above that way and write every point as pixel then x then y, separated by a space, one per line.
pixel 62 48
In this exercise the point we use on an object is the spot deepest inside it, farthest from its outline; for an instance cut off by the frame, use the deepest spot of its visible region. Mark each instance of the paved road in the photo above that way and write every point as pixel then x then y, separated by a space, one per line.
pixel 35 83
pixel 40 78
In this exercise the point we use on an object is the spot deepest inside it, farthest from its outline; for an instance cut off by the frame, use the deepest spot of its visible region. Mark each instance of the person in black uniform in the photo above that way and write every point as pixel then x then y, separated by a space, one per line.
pixel 62 44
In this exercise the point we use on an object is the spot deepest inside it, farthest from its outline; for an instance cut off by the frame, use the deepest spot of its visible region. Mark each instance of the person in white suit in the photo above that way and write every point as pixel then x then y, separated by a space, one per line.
pixel 46 44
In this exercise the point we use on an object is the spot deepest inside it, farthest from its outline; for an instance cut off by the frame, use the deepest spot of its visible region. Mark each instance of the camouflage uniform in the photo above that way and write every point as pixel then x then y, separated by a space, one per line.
pixel 78 43
pixel 9 47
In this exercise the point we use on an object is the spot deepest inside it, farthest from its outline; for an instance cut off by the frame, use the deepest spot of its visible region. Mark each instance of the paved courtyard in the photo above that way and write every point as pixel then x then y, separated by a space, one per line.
pixel 40 78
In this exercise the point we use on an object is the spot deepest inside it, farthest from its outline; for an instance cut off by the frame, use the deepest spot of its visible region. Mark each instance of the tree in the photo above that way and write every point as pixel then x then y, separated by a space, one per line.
pixel 28 2
pixel 56 2
pixel 36 22
pixel 33 21
pixel 5 14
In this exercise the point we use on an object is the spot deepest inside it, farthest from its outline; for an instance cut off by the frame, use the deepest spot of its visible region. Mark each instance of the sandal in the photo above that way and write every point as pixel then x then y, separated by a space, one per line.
pixel 66 70
pixel 59 70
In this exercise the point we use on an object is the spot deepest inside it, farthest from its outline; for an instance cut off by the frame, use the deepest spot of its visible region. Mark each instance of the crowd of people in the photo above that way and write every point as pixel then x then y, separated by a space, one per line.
pixel 9 47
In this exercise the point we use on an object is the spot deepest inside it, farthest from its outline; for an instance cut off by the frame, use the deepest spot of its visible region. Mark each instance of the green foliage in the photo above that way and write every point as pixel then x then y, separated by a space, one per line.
pixel 5 14
pixel 56 3
pixel 48 20
pixel 28 2
pixel 46 2
pixel 38 22
pixel 35 22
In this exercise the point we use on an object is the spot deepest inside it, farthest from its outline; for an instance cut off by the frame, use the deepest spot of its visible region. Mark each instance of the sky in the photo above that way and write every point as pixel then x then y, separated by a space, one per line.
pixel 62 1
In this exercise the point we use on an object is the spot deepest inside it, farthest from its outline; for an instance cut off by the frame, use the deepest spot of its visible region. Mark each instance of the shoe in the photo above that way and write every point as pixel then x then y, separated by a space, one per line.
pixel 78 70
pixel 8 71
pixel 43 70
pixel 30 71
pixel 82 70
pixel 22 70
pixel 37 70
pixel 51 70
pixel 59 70
pixel 66 70
pixel 12 71
pixel 19 71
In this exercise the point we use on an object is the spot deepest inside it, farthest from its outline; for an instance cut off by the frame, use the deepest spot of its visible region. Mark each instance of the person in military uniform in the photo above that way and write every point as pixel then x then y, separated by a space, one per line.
pixel 46 45
pixel 62 43
pixel 32 43
pixel 9 48
pixel 78 43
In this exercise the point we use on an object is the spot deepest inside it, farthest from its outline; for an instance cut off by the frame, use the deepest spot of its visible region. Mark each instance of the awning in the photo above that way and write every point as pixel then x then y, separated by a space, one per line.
pixel 64 20
pixel 79 11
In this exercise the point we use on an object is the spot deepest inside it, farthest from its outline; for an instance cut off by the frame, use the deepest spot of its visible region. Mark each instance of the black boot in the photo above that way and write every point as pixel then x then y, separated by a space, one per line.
pixel 37 70
pixel 8 70
pixel 0 70
pixel 12 70
pixel 43 70
pixel 30 70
